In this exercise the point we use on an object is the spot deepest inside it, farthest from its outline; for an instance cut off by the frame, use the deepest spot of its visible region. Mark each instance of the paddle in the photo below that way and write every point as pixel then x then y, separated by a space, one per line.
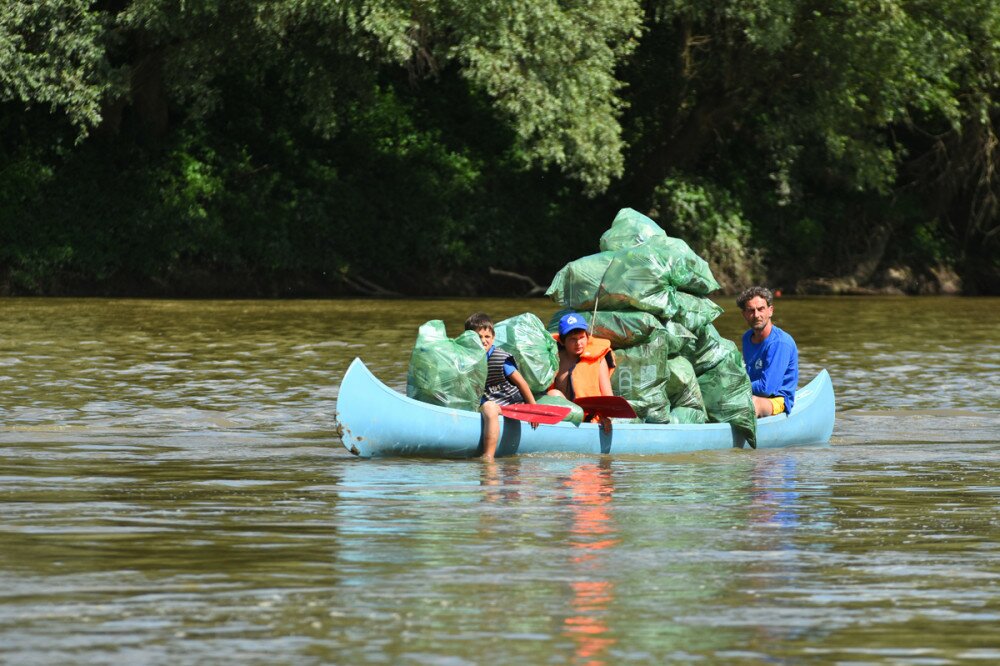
pixel 545 414
pixel 607 405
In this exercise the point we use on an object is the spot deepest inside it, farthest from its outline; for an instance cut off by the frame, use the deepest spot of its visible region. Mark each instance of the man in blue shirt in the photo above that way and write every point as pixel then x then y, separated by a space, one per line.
pixel 770 354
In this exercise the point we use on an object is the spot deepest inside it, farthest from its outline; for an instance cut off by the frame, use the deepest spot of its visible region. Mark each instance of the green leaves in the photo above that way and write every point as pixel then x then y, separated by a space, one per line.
pixel 788 124
pixel 52 52
pixel 550 67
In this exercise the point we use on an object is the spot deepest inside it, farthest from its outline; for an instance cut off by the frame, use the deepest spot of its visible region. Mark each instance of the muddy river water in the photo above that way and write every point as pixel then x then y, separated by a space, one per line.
pixel 172 491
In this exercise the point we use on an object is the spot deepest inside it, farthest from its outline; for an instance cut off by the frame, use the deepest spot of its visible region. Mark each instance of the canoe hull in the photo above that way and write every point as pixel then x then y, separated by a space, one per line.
pixel 376 421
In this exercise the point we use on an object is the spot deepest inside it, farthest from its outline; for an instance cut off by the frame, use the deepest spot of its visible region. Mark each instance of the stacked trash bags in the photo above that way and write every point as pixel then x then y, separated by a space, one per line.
pixel 452 372
pixel 650 294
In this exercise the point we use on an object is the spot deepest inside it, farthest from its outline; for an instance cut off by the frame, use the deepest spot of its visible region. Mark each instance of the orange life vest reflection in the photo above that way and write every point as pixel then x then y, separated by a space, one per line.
pixel 591 491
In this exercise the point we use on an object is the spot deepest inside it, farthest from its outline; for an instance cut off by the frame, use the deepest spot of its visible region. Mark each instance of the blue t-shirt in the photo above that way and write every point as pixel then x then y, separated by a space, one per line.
pixel 773 365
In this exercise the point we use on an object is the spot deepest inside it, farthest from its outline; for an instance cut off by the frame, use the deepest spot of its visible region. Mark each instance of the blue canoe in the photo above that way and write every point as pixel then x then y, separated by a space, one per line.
pixel 374 421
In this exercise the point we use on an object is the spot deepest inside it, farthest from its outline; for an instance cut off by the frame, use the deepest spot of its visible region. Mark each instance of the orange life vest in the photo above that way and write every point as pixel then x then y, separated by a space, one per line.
pixel 585 377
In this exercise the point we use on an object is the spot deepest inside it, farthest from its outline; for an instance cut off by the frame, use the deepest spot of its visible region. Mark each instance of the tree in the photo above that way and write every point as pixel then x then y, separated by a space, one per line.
pixel 796 106
pixel 305 140
pixel 52 53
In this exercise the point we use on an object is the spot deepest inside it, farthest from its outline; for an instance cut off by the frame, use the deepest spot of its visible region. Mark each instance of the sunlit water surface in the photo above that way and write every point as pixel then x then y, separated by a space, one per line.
pixel 172 492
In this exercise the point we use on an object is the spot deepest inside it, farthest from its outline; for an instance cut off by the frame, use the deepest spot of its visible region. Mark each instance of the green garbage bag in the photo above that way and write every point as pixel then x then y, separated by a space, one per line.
pixel 684 392
pixel 728 398
pixel 677 337
pixel 629 228
pixel 579 282
pixel 688 415
pixel 446 372
pixel 692 312
pixel 628 328
pixel 535 351
pixel 644 277
pixel 707 350
pixel 641 375
pixel 575 415
pixel 674 259
pixel 665 261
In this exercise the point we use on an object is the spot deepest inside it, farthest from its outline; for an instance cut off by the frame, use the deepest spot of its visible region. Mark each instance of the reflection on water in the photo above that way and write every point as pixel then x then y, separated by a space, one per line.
pixel 172 491
pixel 592 539
pixel 775 498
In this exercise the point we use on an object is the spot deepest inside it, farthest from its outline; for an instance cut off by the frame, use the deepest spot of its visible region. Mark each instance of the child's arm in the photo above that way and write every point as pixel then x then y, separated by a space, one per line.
pixel 517 380
pixel 604 378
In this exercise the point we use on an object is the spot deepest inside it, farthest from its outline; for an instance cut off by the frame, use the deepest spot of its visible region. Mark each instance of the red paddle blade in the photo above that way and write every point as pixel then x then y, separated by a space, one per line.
pixel 547 414
pixel 607 405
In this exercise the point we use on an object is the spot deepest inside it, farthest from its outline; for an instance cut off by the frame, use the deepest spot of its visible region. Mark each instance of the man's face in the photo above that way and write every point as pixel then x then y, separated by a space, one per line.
pixel 757 313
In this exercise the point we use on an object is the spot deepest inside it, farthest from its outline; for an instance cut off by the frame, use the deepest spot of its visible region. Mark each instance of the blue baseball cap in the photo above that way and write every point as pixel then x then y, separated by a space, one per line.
pixel 571 322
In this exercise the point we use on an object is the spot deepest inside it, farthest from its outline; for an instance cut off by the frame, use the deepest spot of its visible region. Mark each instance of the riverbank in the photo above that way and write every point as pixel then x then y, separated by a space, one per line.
pixel 896 281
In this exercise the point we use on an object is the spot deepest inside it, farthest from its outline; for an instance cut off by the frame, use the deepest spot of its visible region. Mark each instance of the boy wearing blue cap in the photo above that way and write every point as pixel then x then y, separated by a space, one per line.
pixel 504 384
pixel 585 362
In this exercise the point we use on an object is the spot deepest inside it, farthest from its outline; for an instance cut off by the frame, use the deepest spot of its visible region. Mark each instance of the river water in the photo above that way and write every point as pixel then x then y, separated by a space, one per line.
pixel 172 491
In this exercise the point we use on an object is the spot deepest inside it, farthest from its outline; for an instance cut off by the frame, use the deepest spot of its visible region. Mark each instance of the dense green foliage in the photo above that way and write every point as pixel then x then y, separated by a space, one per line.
pixel 345 146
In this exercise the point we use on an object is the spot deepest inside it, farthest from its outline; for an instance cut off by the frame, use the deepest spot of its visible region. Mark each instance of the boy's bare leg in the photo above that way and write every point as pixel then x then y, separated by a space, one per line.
pixel 491 428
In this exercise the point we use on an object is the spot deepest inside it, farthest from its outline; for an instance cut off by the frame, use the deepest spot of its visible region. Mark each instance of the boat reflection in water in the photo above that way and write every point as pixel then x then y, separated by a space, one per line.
pixel 592 538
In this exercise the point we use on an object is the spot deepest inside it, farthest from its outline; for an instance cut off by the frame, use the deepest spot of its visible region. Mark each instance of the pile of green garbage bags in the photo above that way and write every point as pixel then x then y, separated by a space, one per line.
pixel 451 372
pixel 645 292
pixel 650 295
pixel 444 371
